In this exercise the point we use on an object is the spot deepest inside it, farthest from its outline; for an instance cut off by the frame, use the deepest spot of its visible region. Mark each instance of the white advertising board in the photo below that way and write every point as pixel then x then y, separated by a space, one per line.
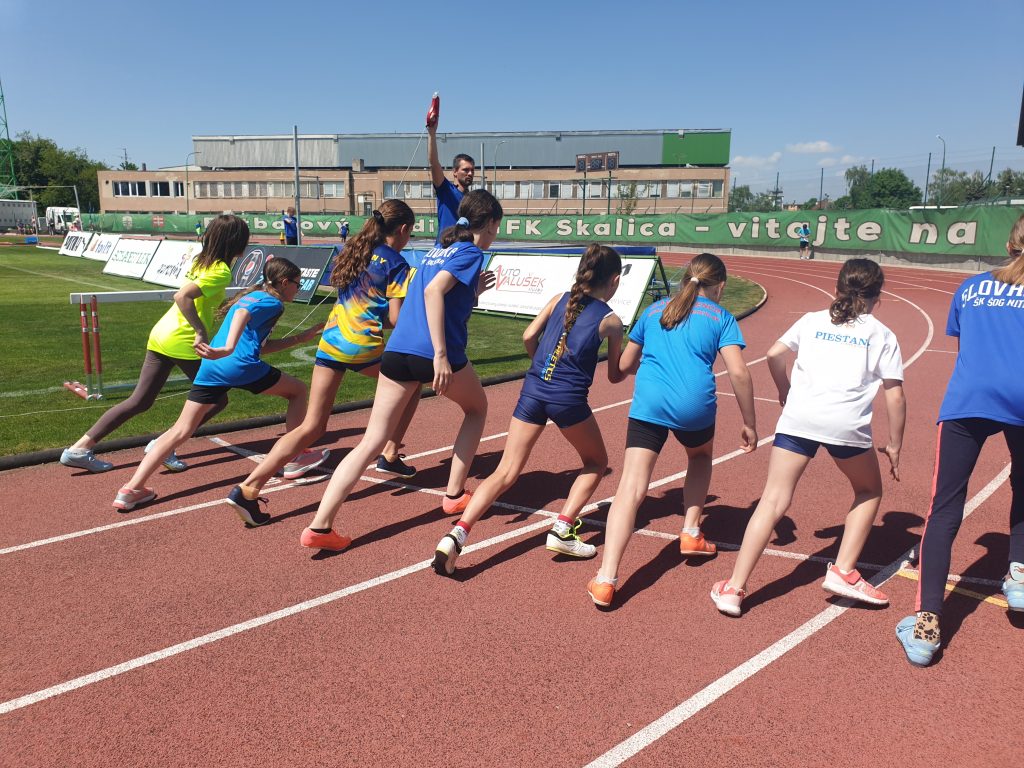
pixel 171 262
pixel 131 257
pixel 526 282
pixel 75 243
pixel 101 246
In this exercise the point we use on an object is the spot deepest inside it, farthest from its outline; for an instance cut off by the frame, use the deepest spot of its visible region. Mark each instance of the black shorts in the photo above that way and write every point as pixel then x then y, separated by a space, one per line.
pixel 400 366
pixel 291 241
pixel 804 244
pixel 211 395
pixel 643 434
pixel 337 365
pixel 533 411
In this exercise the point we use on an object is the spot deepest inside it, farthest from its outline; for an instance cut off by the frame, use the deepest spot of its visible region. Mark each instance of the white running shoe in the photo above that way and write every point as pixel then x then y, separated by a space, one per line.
pixel 565 541
pixel 445 555
pixel 853 586
pixel 171 463
pixel 84 460
pixel 305 461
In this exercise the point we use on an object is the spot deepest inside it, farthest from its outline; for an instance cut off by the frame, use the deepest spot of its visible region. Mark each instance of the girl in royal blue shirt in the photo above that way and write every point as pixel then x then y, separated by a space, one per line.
pixel 563 341
pixel 985 396
pixel 428 346
pixel 232 360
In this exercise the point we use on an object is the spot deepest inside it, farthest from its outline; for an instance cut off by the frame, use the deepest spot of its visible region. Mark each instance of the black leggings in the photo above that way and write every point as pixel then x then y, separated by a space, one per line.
pixel 960 442
pixel 155 370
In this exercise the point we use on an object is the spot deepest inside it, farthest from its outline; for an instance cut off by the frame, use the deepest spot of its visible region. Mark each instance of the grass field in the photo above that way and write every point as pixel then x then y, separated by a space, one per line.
pixel 43 348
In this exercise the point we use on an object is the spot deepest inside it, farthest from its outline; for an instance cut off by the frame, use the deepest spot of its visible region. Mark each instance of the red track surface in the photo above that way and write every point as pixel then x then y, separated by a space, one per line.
pixel 510 664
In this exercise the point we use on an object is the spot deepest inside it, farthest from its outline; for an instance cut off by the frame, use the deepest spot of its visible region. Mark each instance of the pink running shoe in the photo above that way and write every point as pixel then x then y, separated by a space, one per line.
pixel 727 598
pixel 853 586
pixel 129 498
pixel 305 461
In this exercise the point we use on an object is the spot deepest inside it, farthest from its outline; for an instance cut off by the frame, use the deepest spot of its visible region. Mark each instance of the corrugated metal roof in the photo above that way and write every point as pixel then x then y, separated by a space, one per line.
pixel 535 149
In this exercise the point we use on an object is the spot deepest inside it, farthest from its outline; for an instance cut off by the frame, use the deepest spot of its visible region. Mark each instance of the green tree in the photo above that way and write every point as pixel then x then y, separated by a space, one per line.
pixel 886 188
pixel 948 187
pixel 39 162
pixel 627 199
pixel 1009 183
pixel 741 198
pixel 128 165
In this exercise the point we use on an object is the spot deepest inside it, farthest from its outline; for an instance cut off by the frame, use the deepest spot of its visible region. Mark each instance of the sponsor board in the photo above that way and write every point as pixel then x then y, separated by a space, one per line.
pixel 131 257
pixel 171 262
pixel 75 243
pixel 524 283
pixel 312 260
pixel 101 246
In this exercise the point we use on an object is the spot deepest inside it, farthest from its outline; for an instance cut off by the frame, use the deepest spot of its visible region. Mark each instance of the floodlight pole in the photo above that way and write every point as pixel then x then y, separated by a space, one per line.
pixel 190 154
pixel 583 207
pixel 927 177
pixel 609 211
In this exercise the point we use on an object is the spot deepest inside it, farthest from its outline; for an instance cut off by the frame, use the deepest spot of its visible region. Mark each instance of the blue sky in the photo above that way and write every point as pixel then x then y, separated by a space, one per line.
pixel 803 86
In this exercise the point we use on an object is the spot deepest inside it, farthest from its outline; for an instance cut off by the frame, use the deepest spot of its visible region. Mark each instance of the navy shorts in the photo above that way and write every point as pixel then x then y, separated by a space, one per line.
pixel 337 365
pixel 399 366
pixel 211 395
pixel 643 434
pixel 807 447
pixel 534 411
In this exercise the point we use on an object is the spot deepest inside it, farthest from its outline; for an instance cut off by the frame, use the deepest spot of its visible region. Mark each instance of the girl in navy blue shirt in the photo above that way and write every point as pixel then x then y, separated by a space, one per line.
pixel 563 341
pixel 985 396
pixel 232 360
pixel 428 346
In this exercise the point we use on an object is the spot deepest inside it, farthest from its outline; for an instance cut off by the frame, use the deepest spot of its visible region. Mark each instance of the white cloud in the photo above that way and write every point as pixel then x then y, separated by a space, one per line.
pixel 850 159
pixel 756 163
pixel 812 148
pixel 827 162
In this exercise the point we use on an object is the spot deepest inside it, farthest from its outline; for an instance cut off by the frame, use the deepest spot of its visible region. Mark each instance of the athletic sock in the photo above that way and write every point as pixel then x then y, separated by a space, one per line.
pixel 320 530
pixel 563 526
pixel 927 627
pixel 605 580
pixel 1016 571
pixel 457 496
pixel 460 532
pixel 695 531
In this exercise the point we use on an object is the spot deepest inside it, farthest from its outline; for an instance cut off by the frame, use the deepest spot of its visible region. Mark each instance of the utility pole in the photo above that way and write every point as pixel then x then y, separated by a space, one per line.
pixel 927 178
pixel 777 192
pixel 298 195
pixel 821 187
pixel 125 150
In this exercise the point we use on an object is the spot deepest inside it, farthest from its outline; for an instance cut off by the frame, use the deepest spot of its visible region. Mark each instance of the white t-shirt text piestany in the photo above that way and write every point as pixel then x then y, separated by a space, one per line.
pixel 835 377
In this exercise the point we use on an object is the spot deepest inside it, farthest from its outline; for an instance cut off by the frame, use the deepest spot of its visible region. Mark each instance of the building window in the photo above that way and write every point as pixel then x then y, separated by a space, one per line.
pixel 531 190
pixel 179 189
pixel 683 189
pixel 703 189
pixel 716 189
pixel 160 188
pixel 595 189
pixel 129 188
pixel 333 189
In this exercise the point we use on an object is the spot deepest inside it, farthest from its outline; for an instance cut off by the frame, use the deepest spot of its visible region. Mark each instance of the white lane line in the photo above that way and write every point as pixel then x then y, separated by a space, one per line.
pixel 58 277
pixel 125 523
pixel 944 351
pixel 711 693
pixel 235 629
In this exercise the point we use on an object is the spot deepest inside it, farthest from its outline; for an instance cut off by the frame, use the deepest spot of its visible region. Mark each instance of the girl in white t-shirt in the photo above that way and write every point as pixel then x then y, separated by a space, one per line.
pixel 843 353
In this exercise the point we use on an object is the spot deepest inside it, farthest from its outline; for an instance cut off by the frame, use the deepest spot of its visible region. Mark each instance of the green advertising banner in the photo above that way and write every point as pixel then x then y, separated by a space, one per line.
pixel 968 232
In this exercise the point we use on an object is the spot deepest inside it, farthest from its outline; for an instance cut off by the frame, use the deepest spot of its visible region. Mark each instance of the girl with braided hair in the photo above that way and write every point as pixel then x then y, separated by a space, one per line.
pixel 842 354
pixel 563 341
pixel 679 338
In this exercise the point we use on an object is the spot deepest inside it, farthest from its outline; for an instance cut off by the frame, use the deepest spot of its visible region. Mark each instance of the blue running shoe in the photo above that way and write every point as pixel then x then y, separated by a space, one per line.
pixel 1013 587
pixel 919 652
pixel 248 509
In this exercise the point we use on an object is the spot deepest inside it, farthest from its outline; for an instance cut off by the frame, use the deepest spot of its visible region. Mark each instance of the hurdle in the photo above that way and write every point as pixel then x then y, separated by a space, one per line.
pixel 92 354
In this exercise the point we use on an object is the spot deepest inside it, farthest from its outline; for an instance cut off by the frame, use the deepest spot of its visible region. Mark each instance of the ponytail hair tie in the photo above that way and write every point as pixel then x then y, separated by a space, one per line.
pixel 694 280
pixel 378 217
pixel 462 222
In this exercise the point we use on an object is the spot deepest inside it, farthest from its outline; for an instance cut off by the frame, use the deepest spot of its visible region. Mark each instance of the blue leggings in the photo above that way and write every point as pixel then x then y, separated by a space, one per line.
pixel 959 444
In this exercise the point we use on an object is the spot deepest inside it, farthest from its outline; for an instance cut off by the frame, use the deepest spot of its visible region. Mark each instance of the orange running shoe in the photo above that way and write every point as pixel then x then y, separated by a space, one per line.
pixel 601 592
pixel 331 541
pixel 696 545
pixel 455 506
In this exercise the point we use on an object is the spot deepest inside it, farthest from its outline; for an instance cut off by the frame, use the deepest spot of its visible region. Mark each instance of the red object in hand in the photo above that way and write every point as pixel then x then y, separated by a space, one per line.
pixel 435 110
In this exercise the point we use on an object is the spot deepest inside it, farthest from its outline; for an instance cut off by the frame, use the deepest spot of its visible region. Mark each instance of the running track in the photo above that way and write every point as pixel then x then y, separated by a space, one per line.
pixel 173 636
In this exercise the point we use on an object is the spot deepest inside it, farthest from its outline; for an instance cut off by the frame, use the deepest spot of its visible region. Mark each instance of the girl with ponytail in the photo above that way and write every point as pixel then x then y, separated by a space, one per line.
pixel 428 346
pixel 371 278
pixel 985 396
pixel 843 353
pixel 679 340
pixel 563 341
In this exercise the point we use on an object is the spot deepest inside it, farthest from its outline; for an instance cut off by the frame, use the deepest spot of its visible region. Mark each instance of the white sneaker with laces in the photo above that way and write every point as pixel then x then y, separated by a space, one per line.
pixel 84 460
pixel 565 540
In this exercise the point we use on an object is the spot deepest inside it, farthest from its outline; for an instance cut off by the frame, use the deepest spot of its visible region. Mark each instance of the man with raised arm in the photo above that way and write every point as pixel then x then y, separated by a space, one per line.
pixel 449 195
